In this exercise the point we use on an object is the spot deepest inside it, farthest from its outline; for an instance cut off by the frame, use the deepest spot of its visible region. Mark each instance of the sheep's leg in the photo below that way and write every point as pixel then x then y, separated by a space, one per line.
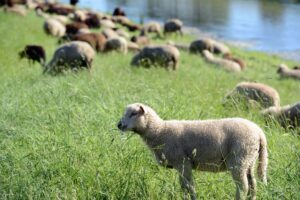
pixel 252 182
pixel 186 180
pixel 240 177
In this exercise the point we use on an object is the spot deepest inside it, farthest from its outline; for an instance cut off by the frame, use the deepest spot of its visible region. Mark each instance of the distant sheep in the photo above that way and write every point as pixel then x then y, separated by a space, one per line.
pixel 92 21
pixel 73 55
pixel 229 56
pixel 220 62
pixel 211 45
pixel 74 27
pixel 34 53
pixel 288 116
pixel 216 145
pixel 140 40
pixel 54 27
pixel 96 40
pixel 118 12
pixel 256 92
pixel 151 27
pixel 285 72
pixel 106 23
pixel 59 9
pixel 16 9
pixel 116 44
pixel 164 55
pixel 173 26
pixel 109 33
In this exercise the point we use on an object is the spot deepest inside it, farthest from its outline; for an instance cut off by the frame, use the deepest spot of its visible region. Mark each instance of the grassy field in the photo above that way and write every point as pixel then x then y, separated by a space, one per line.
pixel 58 135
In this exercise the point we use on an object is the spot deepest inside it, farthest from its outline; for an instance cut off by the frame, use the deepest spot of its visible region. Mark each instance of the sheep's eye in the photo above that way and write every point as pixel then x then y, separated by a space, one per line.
pixel 133 114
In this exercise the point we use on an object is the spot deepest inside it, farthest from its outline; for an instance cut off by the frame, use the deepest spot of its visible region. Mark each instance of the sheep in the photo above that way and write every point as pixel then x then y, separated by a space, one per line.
pixel 211 45
pixel 140 40
pixel 198 46
pixel 92 21
pixel 16 9
pixel 163 55
pixel 229 56
pixel 216 145
pixel 116 44
pixel 96 40
pixel 74 55
pixel 74 27
pixel 132 27
pixel 109 33
pixel 173 26
pixel 59 9
pixel 34 53
pixel 256 92
pixel 220 62
pixel 121 20
pixel 106 23
pixel 118 12
pixel 288 116
pixel 285 72
pixel 151 27
pixel 122 33
pixel 80 16
pixel 54 27
pixel 133 46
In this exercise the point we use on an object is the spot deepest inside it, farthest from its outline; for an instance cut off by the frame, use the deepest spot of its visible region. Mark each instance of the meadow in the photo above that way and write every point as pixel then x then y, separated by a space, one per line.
pixel 58 134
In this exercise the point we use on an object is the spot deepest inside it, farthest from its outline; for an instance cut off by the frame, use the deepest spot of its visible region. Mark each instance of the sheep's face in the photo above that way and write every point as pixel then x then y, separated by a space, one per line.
pixel 134 118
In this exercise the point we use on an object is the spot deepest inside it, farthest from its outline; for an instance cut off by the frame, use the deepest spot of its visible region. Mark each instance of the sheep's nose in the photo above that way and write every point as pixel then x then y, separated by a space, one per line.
pixel 119 125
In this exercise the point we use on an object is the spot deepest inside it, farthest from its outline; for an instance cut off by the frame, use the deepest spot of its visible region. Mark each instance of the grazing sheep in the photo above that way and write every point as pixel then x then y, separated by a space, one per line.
pixel 164 55
pixel 116 44
pixel 73 28
pixel 92 20
pixel 80 16
pixel 151 27
pixel 59 9
pixel 140 40
pixel 132 27
pixel 133 46
pixel 288 116
pixel 285 72
pixel 216 145
pixel 118 12
pixel 229 56
pixel 198 46
pixel 72 55
pixel 16 9
pixel 258 92
pixel 96 40
pixel 211 45
pixel 109 33
pixel 106 23
pixel 173 26
pixel 34 53
pixel 122 33
pixel 54 27
pixel 183 47
pixel 121 20
pixel 220 62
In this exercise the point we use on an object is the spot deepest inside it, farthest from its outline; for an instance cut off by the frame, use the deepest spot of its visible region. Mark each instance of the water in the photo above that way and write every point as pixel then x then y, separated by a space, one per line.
pixel 270 26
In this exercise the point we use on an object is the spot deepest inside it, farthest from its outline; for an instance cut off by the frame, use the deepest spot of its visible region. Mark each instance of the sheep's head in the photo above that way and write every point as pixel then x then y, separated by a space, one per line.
pixel 281 68
pixel 134 118
pixel 21 54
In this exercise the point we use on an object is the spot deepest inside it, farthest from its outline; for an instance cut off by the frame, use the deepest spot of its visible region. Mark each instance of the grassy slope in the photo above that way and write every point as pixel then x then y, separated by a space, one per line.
pixel 58 136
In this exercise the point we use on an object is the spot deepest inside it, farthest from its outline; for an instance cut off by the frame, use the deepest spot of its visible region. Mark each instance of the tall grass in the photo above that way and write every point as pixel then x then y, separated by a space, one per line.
pixel 58 136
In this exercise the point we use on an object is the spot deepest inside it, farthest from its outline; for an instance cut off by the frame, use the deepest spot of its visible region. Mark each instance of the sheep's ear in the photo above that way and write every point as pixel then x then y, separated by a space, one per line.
pixel 142 110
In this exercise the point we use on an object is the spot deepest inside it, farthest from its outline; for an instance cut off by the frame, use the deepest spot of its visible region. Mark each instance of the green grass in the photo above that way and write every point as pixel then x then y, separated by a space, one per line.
pixel 58 135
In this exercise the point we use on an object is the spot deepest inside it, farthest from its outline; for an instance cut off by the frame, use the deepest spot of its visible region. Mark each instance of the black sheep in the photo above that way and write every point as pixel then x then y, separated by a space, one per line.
pixel 34 53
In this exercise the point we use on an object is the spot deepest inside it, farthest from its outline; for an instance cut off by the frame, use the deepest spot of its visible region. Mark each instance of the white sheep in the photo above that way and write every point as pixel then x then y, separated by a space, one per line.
pixel 72 55
pixel 116 44
pixel 216 145
pixel 151 27
pixel 221 62
pixel 163 55
pixel 258 92
pixel 54 27
pixel 109 33
pixel 16 9
pixel 288 116
pixel 285 72
pixel 106 23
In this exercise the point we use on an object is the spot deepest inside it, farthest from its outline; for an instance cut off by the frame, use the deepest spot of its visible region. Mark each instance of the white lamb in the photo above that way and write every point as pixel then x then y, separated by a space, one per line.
pixel 54 27
pixel 231 144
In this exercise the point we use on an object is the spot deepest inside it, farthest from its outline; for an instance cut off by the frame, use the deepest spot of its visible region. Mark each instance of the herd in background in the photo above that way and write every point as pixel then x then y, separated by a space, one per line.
pixel 80 40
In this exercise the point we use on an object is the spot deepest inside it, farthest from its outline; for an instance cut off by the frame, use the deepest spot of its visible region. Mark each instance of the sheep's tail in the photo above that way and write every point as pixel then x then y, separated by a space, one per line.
pixel 263 159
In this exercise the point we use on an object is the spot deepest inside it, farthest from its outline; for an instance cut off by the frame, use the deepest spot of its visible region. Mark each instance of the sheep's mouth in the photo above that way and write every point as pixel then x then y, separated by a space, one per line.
pixel 122 127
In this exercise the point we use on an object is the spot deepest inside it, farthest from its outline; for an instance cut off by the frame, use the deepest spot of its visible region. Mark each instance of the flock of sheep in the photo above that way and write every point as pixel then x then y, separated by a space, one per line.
pixel 232 144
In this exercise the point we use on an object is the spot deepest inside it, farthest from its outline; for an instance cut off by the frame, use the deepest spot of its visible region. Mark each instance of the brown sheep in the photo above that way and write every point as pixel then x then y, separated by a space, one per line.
pixel 73 28
pixel 229 56
pixel 96 40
